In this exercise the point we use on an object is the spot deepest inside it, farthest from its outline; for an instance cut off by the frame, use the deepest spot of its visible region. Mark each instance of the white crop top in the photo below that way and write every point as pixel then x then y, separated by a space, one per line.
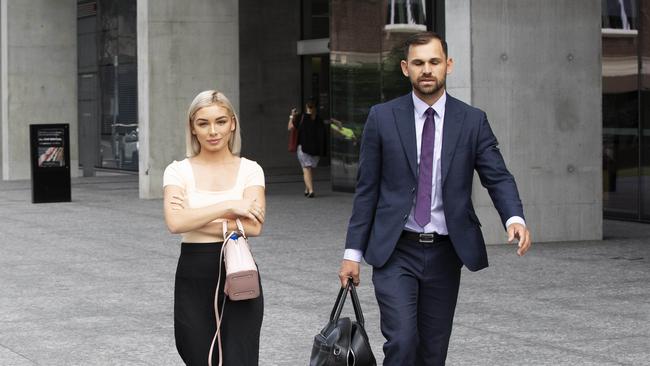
pixel 179 173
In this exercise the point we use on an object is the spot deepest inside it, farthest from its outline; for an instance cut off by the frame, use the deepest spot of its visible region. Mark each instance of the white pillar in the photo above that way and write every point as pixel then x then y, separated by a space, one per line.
pixel 38 76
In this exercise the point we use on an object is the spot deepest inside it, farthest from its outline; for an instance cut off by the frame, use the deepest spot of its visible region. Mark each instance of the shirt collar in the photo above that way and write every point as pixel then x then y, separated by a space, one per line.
pixel 438 106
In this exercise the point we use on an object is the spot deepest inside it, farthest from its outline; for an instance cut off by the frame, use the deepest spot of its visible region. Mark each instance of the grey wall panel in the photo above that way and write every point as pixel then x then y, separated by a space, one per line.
pixel 536 71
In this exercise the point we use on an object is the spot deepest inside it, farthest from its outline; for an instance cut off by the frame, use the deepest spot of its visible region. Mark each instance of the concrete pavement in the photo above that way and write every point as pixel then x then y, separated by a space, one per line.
pixel 90 283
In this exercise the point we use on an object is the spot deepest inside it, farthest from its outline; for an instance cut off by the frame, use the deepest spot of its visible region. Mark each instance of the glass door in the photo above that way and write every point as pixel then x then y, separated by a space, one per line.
pixel 644 43
pixel 621 143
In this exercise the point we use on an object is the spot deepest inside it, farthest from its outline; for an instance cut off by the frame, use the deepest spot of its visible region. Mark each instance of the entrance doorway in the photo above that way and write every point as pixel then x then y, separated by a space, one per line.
pixel 107 84
pixel 316 88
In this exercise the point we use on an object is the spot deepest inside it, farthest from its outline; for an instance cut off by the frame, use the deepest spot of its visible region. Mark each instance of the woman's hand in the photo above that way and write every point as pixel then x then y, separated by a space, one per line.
pixel 292 116
pixel 249 209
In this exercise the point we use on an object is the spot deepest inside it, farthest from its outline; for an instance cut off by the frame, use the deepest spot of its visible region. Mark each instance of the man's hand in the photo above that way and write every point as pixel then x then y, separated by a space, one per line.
pixel 349 269
pixel 520 232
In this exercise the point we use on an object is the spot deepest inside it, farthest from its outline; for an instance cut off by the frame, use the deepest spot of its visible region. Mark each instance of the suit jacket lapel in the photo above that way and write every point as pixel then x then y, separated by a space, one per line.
pixel 453 125
pixel 405 122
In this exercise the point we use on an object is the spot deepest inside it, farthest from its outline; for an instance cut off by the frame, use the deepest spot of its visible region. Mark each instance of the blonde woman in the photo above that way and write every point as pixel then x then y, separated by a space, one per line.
pixel 211 185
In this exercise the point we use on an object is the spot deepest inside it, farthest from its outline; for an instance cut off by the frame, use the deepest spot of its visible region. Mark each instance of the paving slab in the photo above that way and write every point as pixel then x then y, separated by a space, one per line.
pixel 91 282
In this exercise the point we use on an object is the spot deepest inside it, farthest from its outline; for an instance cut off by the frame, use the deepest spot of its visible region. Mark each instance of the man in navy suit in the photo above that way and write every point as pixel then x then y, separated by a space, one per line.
pixel 413 218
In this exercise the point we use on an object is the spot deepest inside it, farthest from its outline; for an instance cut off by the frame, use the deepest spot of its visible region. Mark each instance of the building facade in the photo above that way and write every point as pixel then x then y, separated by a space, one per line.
pixel 563 84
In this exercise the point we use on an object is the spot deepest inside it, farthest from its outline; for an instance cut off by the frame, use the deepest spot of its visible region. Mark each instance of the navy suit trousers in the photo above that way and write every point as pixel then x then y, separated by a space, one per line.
pixel 417 291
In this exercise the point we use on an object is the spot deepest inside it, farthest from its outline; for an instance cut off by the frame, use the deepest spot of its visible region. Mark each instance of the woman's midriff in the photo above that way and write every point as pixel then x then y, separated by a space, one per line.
pixel 196 237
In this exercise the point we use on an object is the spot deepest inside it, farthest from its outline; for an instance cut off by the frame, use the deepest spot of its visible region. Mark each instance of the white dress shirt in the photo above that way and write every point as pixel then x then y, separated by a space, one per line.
pixel 437 223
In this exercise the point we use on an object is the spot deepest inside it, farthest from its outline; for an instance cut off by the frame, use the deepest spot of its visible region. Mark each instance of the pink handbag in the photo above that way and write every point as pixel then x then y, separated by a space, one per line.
pixel 242 278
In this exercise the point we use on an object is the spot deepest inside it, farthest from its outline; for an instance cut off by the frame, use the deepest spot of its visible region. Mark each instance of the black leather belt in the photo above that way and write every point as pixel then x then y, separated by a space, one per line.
pixel 424 238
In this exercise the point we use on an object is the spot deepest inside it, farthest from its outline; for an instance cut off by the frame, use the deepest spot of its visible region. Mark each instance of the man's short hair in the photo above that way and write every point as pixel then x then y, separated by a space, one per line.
pixel 423 38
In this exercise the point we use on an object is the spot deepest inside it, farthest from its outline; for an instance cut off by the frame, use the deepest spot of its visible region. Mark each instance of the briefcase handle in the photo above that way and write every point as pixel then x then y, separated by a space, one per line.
pixel 356 304
pixel 340 301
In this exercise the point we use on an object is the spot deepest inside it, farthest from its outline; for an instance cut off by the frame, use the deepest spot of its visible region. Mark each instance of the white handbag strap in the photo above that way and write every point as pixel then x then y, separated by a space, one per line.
pixel 241 228
pixel 217 334
pixel 219 317
pixel 224 226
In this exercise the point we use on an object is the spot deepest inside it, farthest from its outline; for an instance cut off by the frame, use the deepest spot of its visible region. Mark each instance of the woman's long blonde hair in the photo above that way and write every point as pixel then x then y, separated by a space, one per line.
pixel 206 99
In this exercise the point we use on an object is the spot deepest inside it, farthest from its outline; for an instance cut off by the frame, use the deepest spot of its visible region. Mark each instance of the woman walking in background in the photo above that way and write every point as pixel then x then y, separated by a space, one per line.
pixel 311 138
pixel 211 185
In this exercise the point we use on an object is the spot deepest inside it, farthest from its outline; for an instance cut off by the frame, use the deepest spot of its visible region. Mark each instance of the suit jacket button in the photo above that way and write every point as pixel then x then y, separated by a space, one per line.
pixel 413 190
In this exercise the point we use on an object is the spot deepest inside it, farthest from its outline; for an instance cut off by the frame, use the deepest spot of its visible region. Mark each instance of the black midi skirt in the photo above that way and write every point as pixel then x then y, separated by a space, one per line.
pixel 194 318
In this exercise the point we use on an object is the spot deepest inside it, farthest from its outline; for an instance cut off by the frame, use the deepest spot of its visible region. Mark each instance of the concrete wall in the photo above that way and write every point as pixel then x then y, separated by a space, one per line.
pixel 38 76
pixel 536 71
pixel 269 80
pixel 183 49
pixel 458 37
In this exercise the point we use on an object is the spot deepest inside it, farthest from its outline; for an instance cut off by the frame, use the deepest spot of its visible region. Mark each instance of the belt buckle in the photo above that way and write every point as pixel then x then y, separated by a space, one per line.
pixel 427 238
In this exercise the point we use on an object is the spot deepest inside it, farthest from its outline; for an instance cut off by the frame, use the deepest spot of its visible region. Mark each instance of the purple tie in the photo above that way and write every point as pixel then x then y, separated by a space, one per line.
pixel 425 171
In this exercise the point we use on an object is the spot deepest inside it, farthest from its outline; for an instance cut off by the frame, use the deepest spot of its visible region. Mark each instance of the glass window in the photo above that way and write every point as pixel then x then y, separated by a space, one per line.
pixel 620 154
pixel 644 42
pixel 619 14
pixel 118 84
pixel 406 15
pixel 622 141
pixel 365 54
pixel 315 20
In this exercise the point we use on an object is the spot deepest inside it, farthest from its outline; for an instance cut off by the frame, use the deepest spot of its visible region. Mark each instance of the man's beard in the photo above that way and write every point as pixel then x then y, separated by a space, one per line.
pixel 434 89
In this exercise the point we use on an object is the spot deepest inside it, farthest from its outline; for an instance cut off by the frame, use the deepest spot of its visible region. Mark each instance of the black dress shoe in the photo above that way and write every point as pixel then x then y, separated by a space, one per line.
pixel 306 193
pixel 310 195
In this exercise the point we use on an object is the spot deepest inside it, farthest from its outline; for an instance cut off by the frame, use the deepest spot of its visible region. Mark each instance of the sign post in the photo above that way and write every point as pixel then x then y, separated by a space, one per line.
pixel 50 158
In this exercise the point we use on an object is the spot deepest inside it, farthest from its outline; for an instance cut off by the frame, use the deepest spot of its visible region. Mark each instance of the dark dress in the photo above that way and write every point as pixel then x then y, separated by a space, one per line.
pixel 311 134
pixel 194 318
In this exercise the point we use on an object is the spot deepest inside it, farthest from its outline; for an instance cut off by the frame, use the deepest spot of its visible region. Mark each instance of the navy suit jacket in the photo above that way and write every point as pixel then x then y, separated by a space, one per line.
pixel 387 180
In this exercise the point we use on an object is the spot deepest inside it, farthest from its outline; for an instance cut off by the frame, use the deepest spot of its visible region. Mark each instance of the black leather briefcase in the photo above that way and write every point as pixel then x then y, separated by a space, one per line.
pixel 343 342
